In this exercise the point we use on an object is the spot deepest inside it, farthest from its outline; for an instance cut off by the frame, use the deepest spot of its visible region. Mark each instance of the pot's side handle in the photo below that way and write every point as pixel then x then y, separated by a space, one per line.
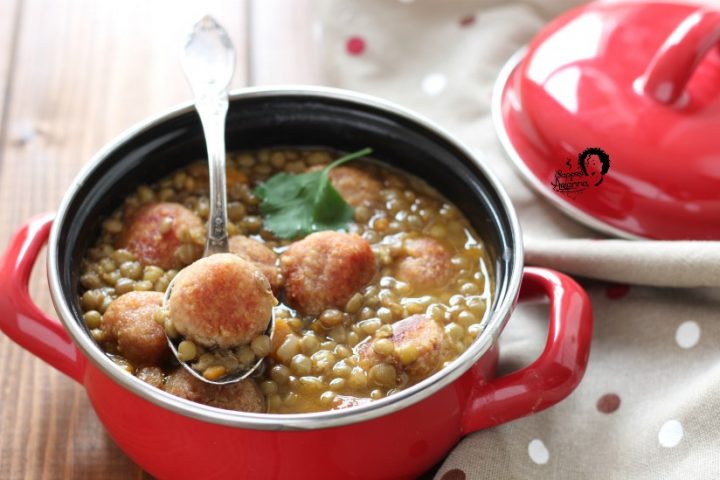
pixel 558 370
pixel 20 318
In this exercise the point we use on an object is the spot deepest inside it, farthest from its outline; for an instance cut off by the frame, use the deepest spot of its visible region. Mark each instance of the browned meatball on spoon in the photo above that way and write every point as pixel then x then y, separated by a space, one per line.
pixel 221 300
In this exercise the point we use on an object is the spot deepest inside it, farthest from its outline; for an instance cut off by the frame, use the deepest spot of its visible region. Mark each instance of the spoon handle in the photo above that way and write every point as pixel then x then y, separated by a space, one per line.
pixel 212 112
pixel 209 63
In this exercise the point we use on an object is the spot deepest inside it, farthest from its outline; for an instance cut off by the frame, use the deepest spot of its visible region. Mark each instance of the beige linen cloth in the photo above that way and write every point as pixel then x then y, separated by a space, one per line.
pixel 649 405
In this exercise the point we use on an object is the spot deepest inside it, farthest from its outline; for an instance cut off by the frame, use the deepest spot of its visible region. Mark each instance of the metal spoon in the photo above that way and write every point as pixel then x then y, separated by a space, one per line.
pixel 208 61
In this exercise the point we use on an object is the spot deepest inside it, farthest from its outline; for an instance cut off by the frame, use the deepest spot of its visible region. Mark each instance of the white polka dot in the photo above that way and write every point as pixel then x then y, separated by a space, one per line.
pixel 538 452
pixel 670 434
pixel 688 334
pixel 434 83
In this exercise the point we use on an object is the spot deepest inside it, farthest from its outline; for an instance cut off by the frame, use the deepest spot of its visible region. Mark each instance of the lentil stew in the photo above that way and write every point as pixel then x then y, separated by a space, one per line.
pixel 377 325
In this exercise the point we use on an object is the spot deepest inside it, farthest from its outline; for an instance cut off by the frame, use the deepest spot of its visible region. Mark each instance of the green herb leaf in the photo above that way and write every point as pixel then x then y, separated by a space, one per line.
pixel 298 204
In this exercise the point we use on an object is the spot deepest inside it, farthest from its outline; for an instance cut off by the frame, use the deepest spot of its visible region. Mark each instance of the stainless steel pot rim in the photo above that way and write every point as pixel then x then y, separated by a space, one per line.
pixel 530 179
pixel 499 315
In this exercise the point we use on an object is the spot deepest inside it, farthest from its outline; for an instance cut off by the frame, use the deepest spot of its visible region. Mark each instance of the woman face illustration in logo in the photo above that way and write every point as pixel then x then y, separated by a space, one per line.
pixel 594 163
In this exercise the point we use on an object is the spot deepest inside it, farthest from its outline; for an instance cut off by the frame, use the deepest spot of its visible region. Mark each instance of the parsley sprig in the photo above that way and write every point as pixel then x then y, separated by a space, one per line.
pixel 296 205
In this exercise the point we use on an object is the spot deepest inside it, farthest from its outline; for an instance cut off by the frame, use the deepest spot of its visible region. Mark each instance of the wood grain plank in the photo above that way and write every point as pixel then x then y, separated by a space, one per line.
pixel 10 11
pixel 283 43
pixel 83 72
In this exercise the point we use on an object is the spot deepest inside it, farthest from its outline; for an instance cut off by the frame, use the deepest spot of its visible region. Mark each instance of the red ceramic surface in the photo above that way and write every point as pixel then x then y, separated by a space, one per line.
pixel 641 81
pixel 402 444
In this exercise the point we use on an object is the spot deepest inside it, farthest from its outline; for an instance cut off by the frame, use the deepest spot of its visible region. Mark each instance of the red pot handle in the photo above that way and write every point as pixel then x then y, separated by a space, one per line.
pixel 20 318
pixel 558 370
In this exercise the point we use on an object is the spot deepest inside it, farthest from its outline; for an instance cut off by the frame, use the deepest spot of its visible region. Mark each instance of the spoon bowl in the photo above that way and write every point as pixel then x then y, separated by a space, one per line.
pixel 255 369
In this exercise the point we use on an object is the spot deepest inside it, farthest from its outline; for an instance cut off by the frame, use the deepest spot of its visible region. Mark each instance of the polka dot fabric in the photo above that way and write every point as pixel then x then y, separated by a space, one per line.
pixel 608 403
pixel 687 334
pixel 670 434
pixel 434 84
pixel 467 20
pixel 646 409
pixel 538 452
pixel 648 405
pixel 355 46
pixel 617 290
pixel 454 474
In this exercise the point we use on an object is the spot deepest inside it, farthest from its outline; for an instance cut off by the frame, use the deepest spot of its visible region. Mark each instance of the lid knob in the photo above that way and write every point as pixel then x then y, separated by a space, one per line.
pixel 674 63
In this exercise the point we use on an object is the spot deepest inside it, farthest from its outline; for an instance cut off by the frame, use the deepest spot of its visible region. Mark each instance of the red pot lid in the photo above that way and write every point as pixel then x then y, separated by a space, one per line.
pixel 613 113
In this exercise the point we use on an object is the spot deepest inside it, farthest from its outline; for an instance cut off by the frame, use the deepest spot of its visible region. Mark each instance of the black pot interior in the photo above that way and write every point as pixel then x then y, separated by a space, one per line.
pixel 298 120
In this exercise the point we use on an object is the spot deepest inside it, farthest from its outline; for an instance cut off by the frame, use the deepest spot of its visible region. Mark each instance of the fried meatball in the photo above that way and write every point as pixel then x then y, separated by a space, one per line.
pixel 325 269
pixel 155 235
pixel 244 396
pixel 152 375
pixel 357 187
pixel 259 254
pixel 129 324
pixel 418 343
pixel 425 264
pixel 221 300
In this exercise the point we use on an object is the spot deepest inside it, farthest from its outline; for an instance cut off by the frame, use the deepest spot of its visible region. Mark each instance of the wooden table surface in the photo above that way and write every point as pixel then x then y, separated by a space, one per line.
pixel 73 75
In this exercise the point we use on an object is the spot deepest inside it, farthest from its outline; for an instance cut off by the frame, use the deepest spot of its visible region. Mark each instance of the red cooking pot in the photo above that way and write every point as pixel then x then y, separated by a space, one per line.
pixel 396 437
